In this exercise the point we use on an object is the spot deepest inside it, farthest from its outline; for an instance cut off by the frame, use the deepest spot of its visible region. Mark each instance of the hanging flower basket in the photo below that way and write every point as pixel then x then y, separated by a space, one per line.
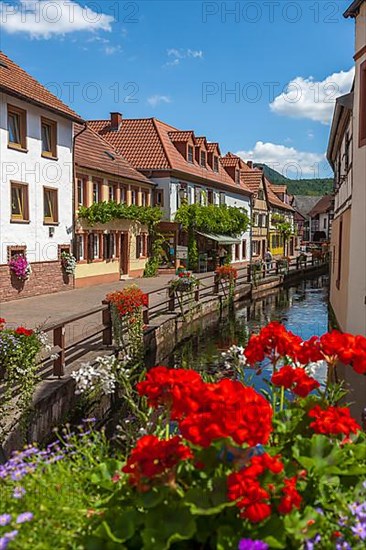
pixel 68 263
pixel 185 282
pixel 20 267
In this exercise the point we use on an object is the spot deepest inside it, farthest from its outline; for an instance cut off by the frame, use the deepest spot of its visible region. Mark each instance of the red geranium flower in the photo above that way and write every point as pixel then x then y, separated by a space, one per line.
pixel 178 389
pixel 291 498
pixel 244 487
pixel 228 409
pixel 333 421
pixel 24 331
pixel 295 379
pixel 129 300
pixel 152 458
pixel 2 323
pixel 273 341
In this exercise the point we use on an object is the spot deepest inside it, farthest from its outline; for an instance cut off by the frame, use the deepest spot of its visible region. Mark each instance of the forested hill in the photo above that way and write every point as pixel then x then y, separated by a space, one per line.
pixel 311 187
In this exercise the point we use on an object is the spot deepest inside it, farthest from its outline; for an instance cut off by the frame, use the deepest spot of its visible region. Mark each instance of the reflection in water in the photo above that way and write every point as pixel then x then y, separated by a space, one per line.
pixel 302 309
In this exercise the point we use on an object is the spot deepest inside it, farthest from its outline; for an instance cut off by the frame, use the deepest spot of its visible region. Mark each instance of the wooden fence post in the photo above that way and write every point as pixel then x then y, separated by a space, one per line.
pixel 197 295
pixel 171 304
pixel 216 283
pixel 145 316
pixel 107 322
pixel 59 341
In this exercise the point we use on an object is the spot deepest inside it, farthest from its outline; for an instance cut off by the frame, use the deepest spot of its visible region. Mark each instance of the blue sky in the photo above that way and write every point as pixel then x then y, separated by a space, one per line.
pixel 179 60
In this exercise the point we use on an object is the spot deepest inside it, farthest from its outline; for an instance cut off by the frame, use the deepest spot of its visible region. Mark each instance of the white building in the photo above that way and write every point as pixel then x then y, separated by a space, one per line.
pixel 36 214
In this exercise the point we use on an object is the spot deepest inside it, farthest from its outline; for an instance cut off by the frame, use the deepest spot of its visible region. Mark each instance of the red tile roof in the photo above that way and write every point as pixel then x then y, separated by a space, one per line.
pixel 147 145
pixel 182 136
pixel 213 146
pixel 322 206
pixel 92 151
pixel 251 178
pixel 201 140
pixel 15 81
pixel 274 200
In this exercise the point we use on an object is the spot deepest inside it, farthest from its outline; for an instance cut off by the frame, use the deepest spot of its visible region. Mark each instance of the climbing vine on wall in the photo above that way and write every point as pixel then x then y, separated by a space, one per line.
pixel 105 212
pixel 220 220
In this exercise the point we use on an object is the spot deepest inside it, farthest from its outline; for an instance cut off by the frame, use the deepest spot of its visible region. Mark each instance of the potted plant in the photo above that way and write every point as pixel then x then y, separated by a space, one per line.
pixel 20 267
pixel 68 263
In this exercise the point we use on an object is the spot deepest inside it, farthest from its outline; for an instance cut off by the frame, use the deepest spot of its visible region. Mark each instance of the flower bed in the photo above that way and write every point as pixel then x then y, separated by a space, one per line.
pixel 238 469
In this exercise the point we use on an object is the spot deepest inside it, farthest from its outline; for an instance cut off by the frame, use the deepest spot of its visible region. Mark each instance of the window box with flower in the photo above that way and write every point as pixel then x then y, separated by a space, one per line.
pixel 20 267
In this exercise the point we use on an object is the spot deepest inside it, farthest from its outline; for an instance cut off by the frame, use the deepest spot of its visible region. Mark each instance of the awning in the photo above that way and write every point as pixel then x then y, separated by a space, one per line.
pixel 221 239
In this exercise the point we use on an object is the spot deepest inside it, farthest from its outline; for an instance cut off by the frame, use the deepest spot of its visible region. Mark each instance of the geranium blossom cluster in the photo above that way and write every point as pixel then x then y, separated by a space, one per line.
pixel 275 341
pixel 254 487
pixel 227 272
pixel 295 379
pixel 129 300
pixel 153 458
pixel 20 266
pixel 206 412
pixel 333 421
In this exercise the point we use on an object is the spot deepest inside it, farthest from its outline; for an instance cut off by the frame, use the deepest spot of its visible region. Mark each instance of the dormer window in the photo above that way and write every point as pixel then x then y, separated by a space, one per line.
pixel 216 164
pixel 237 176
pixel 203 159
pixel 190 154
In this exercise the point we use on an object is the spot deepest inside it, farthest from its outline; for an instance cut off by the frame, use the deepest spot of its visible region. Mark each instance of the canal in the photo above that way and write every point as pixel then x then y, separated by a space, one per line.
pixel 302 308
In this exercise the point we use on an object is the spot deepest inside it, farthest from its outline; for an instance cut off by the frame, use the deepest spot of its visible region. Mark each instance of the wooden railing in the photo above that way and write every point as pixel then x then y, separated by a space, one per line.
pixel 101 331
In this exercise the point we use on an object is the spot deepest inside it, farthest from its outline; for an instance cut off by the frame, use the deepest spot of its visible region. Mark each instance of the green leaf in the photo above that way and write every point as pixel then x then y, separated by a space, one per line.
pixel 166 524
pixel 210 499
pixel 103 474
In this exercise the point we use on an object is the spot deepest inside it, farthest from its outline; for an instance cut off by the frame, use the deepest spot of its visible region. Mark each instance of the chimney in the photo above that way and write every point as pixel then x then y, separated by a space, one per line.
pixel 116 121
pixel 250 163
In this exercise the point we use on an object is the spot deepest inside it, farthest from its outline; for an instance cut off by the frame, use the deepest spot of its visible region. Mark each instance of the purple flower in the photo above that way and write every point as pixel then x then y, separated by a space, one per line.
pixel 343 546
pixel 310 544
pixel 359 530
pixel 18 492
pixel 5 519
pixel 4 541
pixel 249 544
pixel 24 517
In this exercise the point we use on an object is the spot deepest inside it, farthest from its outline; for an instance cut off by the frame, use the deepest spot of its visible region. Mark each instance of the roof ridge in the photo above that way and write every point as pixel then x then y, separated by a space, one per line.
pixel 61 108
pixel 154 120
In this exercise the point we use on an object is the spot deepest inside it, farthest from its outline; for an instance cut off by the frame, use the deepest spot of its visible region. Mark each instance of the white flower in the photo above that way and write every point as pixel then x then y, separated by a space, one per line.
pixel 96 376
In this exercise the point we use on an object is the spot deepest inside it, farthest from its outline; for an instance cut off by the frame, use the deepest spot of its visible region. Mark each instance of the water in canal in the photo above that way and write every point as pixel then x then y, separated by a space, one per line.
pixel 303 309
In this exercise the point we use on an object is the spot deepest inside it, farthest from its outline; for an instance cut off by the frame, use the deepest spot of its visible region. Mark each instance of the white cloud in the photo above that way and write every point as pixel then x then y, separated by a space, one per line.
pixel 308 98
pixel 45 18
pixel 110 50
pixel 177 55
pixel 286 160
pixel 155 100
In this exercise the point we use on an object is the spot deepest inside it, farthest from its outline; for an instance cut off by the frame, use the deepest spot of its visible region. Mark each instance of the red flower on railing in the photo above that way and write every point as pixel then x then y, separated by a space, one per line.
pixel 227 273
pixel 21 331
pixel 128 300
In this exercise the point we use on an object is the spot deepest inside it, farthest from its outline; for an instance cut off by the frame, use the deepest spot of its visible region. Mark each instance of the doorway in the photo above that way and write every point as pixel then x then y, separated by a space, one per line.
pixel 123 254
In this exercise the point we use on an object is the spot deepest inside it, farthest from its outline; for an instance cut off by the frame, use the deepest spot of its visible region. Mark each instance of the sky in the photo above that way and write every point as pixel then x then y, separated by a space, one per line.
pixel 260 77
